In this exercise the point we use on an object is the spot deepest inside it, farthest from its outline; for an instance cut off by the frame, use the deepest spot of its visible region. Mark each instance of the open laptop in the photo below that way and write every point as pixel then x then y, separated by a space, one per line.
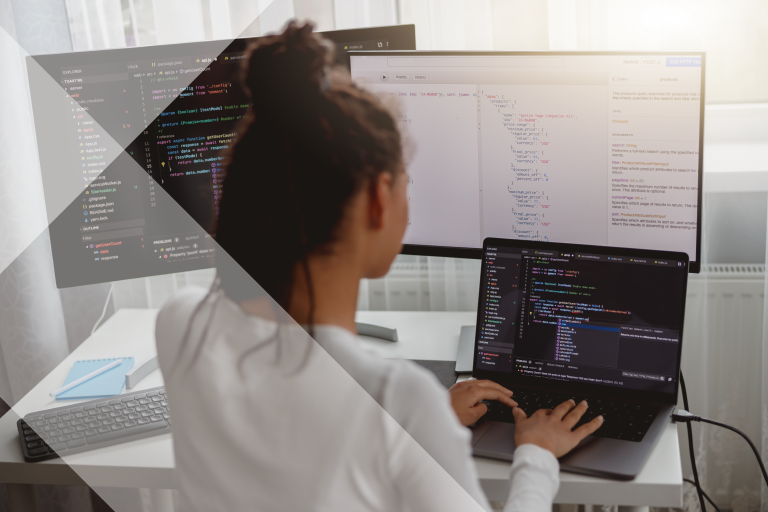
pixel 558 321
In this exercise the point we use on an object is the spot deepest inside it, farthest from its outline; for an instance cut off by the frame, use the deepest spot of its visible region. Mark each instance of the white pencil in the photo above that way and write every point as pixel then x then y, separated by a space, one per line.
pixel 85 378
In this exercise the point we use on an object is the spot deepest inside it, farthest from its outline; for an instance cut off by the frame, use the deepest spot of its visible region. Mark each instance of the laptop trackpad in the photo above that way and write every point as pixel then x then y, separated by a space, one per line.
pixel 497 440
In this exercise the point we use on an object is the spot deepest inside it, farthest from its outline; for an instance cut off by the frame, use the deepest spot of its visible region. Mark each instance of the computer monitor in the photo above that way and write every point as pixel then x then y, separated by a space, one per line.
pixel 594 148
pixel 100 116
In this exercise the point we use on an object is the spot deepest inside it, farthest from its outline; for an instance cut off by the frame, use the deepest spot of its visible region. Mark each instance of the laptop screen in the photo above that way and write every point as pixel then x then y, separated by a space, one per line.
pixel 601 316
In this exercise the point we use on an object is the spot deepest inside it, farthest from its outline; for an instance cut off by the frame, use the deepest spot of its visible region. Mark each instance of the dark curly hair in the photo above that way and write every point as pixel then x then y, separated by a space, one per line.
pixel 310 142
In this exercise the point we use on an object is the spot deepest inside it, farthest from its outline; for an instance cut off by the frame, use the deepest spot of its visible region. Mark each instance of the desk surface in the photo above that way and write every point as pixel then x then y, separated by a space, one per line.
pixel 149 463
pixel 143 463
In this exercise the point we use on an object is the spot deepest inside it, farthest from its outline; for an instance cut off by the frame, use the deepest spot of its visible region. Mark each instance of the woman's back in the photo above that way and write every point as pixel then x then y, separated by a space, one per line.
pixel 299 427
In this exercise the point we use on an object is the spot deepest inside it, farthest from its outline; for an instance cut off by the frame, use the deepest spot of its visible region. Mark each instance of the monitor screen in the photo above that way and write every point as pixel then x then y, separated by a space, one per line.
pixel 589 148
pixel 101 116
pixel 585 315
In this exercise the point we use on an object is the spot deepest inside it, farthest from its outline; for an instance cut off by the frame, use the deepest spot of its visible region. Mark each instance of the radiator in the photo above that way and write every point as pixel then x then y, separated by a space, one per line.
pixel 418 283
pixel 722 351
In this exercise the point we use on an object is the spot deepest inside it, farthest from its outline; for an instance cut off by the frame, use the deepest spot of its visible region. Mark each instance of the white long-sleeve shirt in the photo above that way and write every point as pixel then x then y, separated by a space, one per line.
pixel 319 425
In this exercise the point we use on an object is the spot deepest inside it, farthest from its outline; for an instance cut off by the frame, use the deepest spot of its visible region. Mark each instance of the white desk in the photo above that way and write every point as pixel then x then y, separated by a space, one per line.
pixel 149 463
pixel 146 463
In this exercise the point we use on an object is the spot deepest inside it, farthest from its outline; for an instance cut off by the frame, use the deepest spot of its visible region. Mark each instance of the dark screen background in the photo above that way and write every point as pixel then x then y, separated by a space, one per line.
pixel 592 321
pixel 162 137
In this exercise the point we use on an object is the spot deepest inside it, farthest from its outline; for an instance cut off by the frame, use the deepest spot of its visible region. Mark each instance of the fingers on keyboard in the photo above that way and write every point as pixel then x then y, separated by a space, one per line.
pixel 622 420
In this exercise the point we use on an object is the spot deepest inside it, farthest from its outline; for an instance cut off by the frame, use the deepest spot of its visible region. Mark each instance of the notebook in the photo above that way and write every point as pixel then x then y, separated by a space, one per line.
pixel 109 383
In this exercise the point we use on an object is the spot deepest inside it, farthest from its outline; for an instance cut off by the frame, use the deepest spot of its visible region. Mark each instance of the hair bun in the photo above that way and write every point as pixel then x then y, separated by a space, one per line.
pixel 288 71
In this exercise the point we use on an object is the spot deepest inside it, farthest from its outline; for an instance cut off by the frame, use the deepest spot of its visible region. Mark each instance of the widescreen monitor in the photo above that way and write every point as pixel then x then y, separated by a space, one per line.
pixel 587 148
pixel 102 117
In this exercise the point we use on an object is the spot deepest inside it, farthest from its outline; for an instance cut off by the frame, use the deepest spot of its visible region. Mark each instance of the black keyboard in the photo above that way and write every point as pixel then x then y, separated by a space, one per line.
pixel 94 424
pixel 627 421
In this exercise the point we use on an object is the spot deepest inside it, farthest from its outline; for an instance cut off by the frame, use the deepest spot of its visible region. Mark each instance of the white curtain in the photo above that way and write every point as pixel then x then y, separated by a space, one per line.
pixel 28 350
pixel 35 336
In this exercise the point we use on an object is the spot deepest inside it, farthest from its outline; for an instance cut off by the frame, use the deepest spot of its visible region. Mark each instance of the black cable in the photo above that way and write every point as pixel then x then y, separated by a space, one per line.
pixel 702 492
pixel 687 418
pixel 742 434
pixel 699 490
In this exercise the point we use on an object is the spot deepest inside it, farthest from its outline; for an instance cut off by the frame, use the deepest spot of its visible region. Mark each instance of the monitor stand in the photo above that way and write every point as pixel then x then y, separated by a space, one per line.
pixel 377 331
pixel 464 355
pixel 141 370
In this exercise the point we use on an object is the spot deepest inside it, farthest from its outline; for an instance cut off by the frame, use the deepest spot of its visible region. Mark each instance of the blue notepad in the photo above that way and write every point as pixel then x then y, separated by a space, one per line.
pixel 109 383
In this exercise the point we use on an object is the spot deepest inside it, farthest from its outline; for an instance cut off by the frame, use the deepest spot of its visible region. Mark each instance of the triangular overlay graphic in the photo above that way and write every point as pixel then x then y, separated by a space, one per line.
pixel 116 159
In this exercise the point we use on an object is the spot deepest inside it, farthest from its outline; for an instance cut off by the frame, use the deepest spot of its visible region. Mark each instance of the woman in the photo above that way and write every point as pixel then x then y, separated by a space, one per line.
pixel 265 418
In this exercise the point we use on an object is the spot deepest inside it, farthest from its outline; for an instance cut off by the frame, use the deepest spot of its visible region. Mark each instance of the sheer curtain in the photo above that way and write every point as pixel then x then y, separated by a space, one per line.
pixel 36 332
pixel 726 338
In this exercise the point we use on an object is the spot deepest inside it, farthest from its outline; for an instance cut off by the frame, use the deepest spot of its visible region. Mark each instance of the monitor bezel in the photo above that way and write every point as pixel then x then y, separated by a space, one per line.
pixel 514 381
pixel 406 34
pixel 477 253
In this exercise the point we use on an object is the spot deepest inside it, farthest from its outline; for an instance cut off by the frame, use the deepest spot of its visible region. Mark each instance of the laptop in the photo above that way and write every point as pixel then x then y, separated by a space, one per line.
pixel 559 321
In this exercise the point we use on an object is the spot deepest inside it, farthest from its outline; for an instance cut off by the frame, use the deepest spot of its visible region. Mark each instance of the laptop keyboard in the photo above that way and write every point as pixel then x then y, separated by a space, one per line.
pixel 89 425
pixel 623 420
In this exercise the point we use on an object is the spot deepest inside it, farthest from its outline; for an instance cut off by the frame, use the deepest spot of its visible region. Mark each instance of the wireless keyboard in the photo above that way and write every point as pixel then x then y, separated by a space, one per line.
pixel 627 421
pixel 95 424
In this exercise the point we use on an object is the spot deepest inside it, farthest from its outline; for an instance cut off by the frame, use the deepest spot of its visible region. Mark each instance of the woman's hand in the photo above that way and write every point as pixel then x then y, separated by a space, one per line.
pixel 467 397
pixel 551 428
